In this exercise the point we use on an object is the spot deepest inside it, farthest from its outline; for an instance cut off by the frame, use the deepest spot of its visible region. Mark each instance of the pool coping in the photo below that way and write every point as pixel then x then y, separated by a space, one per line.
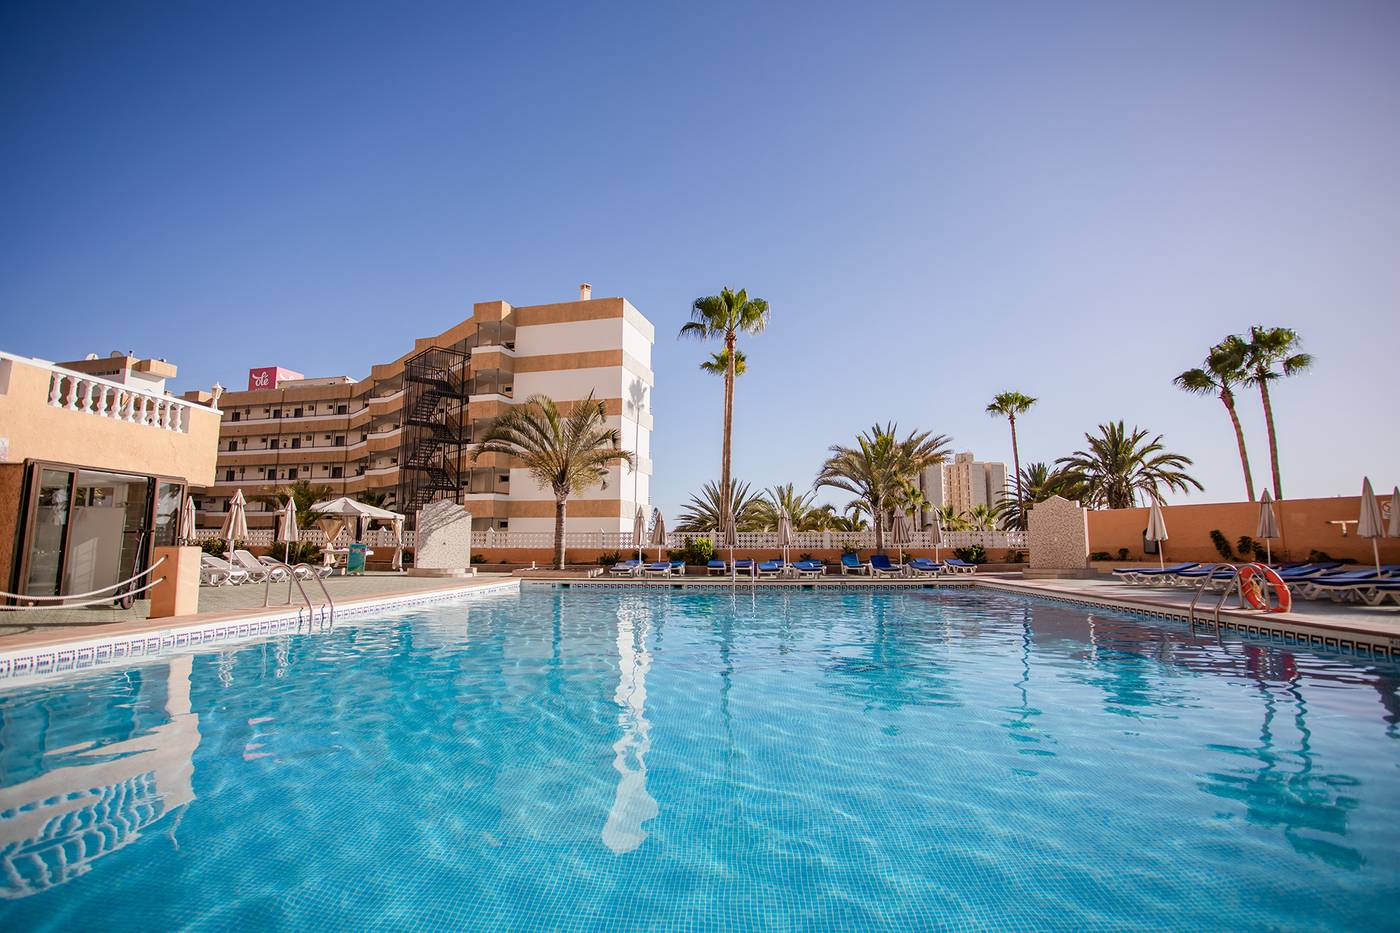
pixel 34 656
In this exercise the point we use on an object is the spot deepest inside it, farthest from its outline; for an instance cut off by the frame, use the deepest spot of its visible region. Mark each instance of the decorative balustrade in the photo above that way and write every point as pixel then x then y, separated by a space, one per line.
pixel 623 541
pixel 106 399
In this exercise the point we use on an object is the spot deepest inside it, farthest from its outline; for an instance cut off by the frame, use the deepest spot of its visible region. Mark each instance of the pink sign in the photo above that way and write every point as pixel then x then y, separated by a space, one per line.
pixel 269 377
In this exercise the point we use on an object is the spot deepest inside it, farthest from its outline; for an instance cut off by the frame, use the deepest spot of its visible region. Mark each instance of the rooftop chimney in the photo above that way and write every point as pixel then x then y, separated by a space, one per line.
pixel 585 292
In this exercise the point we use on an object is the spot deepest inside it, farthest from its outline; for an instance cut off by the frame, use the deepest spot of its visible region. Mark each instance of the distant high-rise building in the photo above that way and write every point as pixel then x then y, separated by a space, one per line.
pixel 964 484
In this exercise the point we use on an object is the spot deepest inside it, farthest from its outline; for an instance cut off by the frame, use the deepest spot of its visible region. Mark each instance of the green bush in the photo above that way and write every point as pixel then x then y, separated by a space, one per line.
pixel 1100 555
pixel 215 546
pixel 697 551
pixel 1222 545
pixel 974 554
pixel 610 558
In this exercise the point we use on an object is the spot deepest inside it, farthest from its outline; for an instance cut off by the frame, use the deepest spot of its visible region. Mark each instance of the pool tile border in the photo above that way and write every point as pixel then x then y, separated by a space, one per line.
pixel 27 664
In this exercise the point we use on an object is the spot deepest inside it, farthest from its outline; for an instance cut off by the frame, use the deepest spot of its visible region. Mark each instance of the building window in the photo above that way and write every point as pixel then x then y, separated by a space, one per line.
pixel 233 445
pixel 236 416
pixel 296 443
pixel 342 409
pixel 337 473
pixel 296 413
pixel 292 473
pixel 339 440
pixel 228 476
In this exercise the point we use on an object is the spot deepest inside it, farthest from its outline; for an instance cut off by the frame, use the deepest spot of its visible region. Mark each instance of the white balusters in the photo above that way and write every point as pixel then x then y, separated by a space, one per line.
pixel 92 396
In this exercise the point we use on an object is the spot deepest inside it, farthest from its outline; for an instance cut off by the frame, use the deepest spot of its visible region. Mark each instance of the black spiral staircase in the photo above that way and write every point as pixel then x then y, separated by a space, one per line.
pixel 431 448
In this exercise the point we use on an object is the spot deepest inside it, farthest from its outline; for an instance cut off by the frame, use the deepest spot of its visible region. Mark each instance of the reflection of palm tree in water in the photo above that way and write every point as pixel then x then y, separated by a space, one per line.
pixel 1022 728
pixel 632 806
pixel 1285 789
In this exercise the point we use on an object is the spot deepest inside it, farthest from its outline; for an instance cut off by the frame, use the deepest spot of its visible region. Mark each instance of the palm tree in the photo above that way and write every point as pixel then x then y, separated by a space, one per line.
pixel 1012 404
pixel 566 453
pixel 1273 353
pixel 800 507
pixel 704 510
pixel 1040 483
pixel 1223 368
pixel 982 517
pixel 304 494
pixel 912 502
pixel 949 519
pixel 851 518
pixel 1118 465
pixel 718 363
pixel 725 316
pixel 877 465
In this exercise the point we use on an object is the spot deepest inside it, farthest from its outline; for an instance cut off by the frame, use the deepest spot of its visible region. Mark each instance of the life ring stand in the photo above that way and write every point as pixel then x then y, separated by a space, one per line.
pixel 1253 577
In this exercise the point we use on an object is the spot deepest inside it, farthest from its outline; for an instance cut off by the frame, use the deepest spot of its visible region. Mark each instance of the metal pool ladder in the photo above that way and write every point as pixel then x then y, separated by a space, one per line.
pixel 1232 581
pixel 294 578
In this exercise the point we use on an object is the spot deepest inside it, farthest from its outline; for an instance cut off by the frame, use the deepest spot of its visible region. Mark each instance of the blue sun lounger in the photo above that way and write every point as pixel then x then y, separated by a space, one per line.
pixel 881 566
pixel 810 568
pixel 1153 574
pixel 850 563
pixel 959 566
pixel 923 567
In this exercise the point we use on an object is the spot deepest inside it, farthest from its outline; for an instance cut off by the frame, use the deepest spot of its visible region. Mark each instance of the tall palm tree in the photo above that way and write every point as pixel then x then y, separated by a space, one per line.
pixel 1273 353
pixel 910 500
pixel 705 509
pixel 876 466
pixel 1118 465
pixel 1224 367
pixel 718 363
pixel 724 317
pixel 566 453
pixel 949 519
pixel 1011 404
pixel 1040 482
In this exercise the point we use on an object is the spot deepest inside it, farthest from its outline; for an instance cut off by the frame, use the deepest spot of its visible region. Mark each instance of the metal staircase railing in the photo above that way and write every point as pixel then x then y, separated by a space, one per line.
pixel 295 578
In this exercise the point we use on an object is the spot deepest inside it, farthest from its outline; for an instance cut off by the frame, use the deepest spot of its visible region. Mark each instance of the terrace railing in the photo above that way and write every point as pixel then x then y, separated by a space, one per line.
pixel 106 399
pixel 623 541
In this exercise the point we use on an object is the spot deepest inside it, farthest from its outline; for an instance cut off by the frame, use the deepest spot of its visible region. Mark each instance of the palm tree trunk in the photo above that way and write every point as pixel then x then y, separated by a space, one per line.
pixel 878 521
pixel 560 508
pixel 1016 464
pixel 725 503
pixel 1273 438
pixel 1228 398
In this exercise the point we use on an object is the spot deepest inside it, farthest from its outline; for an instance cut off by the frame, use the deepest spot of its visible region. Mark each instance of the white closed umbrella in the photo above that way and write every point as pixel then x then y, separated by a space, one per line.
pixel 1267 529
pixel 784 533
pixel 658 534
pixel 937 536
pixel 287 531
pixel 1369 526
pixel 1393 530
pixel 1157 530
pixel 398 543
pixel 728 536
pixel 235 527
pixel 899 533
pixel 187 520
pixel 639 532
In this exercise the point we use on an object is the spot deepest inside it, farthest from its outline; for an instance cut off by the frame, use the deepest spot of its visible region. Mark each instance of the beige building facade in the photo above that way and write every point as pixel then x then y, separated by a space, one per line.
pixel 963 484
pixel 405 431
pixel 95 461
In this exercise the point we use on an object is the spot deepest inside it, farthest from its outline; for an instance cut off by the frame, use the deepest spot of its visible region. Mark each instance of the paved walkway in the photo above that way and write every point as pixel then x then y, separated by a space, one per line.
pixel 225 599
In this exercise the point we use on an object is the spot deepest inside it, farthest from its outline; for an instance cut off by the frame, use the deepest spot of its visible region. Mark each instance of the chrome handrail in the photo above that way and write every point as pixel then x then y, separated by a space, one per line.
pixel 325 591
pixel 293 578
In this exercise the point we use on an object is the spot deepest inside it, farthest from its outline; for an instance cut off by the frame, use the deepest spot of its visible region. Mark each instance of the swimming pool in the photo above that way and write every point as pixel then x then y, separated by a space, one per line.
pixel 670 759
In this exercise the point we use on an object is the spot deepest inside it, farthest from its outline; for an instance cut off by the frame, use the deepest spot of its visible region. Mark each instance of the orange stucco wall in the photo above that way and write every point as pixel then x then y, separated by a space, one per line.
pixel 1303 523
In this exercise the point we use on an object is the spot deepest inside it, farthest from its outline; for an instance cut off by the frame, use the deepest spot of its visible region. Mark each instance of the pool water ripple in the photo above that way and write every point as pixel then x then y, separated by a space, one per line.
pixel 680 760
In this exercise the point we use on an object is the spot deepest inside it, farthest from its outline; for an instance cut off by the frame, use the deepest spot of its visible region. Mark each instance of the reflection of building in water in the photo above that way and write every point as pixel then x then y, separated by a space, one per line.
pixel 632 806
pixel 57 823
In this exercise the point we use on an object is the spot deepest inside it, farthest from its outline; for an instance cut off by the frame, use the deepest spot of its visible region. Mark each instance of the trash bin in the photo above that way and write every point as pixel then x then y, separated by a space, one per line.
pixel 355 560
pixel 1149 547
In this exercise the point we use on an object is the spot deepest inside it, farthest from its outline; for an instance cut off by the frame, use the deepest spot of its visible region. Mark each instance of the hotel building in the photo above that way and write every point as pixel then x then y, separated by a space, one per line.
pixel 406 430
pixel 964 484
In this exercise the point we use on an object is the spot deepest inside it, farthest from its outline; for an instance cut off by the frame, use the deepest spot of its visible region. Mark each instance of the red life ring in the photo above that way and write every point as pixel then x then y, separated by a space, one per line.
pixel 1253 589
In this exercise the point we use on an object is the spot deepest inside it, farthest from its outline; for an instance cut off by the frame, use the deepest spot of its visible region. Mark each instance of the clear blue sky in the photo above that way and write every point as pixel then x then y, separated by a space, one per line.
pixel 940 201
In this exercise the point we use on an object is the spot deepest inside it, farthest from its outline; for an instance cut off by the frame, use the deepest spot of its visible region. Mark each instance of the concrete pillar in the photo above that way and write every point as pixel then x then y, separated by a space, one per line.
pixel 178 593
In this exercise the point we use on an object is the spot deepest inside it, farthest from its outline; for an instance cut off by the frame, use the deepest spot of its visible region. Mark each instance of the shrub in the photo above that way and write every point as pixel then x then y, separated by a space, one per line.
pixel 850 549
pixel 805 556
pixel 610 558
pixel 975 554
pixel 216 546
pixel 697 551
pixel 1122 553
pixel 1100 555
pixel 1322 557
pixel 1246 546
pixel 1016 557
pixel 1222 544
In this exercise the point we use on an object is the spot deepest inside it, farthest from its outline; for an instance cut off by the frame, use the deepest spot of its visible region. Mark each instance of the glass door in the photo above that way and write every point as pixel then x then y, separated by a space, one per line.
pixel 107 529
pixel 49 537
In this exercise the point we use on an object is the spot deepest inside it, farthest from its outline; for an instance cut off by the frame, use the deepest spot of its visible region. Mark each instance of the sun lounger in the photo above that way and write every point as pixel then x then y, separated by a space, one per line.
pixel 850 563
pixel 1155 574
pixel 626 568
pixel 743 566
pixel 716 567
pixel 1340 586
pixel 959 566
pixel 215 571
pixel 660 568
pixel 809 568
pixel 258 572
pixel 678 568
pixel 771 568
pixel 923 567
pixel 881 566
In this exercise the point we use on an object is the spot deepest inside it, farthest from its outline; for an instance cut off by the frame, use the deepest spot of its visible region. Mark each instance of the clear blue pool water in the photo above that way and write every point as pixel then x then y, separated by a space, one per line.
pixel 673 760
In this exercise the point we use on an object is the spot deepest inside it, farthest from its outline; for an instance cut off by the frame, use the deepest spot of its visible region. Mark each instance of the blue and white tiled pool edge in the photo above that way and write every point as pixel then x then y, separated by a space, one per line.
pixel 23 665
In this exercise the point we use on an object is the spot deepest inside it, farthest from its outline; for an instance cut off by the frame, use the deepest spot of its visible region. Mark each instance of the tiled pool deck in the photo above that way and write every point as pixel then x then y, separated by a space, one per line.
pixel 42 644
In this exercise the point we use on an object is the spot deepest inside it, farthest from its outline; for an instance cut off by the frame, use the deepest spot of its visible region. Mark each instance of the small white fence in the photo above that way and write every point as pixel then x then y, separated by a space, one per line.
pixel 624 541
